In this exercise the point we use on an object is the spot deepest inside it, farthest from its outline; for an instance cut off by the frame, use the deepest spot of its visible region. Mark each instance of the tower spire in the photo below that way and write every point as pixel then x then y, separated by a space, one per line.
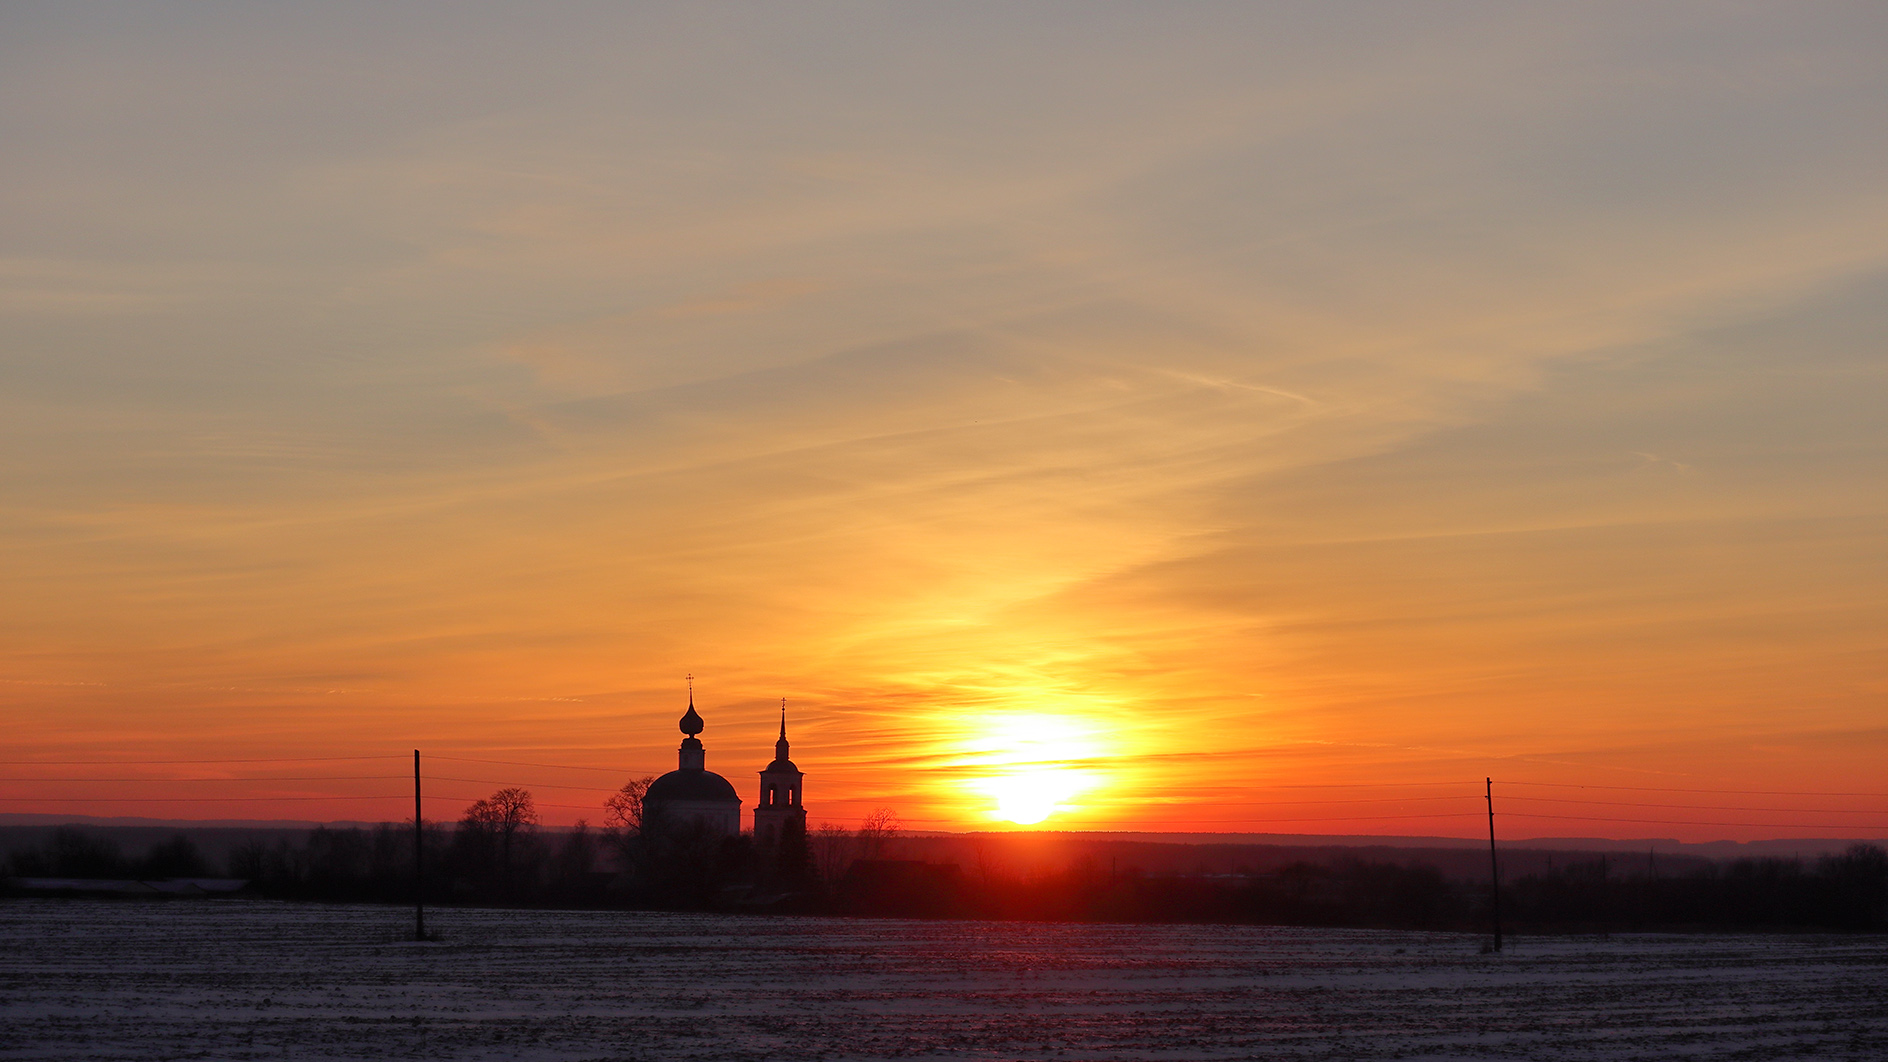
pixel 780 814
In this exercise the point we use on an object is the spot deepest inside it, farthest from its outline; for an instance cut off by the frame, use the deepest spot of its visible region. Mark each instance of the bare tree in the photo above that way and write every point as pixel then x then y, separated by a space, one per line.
pixel 623 822
pixel 507 817
pixel 249 860
pixel 576 858
pixel 833 848
pixel 623 810
pixel 877 832
pixel 988 865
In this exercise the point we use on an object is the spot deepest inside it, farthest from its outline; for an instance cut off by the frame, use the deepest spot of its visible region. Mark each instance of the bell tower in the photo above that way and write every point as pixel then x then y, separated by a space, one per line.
pixel 780 810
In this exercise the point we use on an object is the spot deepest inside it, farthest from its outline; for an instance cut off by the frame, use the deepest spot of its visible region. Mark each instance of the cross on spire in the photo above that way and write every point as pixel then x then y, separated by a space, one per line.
pixel 691 720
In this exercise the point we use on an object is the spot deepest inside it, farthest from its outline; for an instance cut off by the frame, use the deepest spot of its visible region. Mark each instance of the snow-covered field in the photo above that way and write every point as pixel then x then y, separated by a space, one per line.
pixel 238 980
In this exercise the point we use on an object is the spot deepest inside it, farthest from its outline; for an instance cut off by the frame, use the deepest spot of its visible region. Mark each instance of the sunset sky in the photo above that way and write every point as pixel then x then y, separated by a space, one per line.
pixel 1172 417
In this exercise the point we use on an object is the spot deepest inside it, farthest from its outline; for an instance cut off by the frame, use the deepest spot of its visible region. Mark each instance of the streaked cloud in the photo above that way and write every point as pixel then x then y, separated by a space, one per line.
pixel 1266 395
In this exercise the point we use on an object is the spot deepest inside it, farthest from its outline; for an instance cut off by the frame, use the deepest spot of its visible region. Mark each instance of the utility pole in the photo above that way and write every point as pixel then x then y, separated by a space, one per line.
pixel 419 857
pixel 1494 867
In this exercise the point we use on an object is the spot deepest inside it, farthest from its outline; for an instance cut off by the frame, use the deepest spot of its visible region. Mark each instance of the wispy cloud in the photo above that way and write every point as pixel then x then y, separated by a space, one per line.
pixel 1261 396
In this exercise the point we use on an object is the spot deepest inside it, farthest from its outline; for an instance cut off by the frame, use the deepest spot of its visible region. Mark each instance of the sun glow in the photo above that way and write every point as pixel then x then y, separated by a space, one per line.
pixel 1028 797
pixel 1033 767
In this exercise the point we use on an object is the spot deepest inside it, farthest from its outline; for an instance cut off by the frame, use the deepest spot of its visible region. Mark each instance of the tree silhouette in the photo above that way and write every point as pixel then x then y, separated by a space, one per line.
pixel 877 832
pixel 624 807
pixel 71 853
pixel 499 826
pixel 832 848
pixel 623 822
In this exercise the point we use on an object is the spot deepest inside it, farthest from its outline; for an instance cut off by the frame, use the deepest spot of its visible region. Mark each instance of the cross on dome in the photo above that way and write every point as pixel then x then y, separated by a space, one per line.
pixel 691 722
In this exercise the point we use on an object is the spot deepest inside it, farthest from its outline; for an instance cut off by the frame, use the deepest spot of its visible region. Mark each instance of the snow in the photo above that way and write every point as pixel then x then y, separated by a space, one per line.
pixel 249 979
pixel 161 886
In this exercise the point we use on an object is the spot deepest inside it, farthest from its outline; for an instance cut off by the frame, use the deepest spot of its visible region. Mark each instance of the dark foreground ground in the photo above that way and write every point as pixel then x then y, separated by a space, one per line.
pixel 244 980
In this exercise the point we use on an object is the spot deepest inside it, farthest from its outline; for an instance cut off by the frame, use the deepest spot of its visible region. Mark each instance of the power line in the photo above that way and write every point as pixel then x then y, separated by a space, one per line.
pixel 1195 803
pixel 1343 818
pixel 1353 785
pixel 267 759
pixel 1721 792
pixel 521 763
pixel 539 785
pixel 203 799
pixel 1699 807
pixel 1165 802
pixel 279 778
pixel 1695 822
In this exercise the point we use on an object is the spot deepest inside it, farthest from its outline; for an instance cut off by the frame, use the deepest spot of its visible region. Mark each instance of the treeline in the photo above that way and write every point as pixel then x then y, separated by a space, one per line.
pixel 498 854
pixel 1846 891
pixel 76 853
pixel 1842 892
pixel 1346 892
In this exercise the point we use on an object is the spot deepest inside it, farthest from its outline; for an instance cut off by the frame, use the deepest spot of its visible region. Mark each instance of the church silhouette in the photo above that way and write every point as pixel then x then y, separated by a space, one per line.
pixel 694 799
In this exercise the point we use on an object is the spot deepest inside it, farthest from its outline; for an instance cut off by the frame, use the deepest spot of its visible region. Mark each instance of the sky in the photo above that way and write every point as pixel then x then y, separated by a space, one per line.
pixel 1219 418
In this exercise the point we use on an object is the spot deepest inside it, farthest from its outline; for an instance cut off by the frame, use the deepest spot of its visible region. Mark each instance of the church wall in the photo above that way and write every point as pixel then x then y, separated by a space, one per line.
pixel 714 815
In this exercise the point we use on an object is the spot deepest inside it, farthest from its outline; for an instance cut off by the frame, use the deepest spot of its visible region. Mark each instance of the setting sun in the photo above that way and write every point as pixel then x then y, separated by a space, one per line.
pixel 1028 797
pixel 1032 766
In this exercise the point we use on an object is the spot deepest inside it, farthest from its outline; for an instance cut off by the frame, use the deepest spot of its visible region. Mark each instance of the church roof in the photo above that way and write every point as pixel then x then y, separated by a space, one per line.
pixel 691 784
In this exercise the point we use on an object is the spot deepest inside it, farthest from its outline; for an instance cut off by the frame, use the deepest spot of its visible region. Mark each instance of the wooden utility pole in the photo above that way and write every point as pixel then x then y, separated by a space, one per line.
pixel 1494 867
pixel 419 857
